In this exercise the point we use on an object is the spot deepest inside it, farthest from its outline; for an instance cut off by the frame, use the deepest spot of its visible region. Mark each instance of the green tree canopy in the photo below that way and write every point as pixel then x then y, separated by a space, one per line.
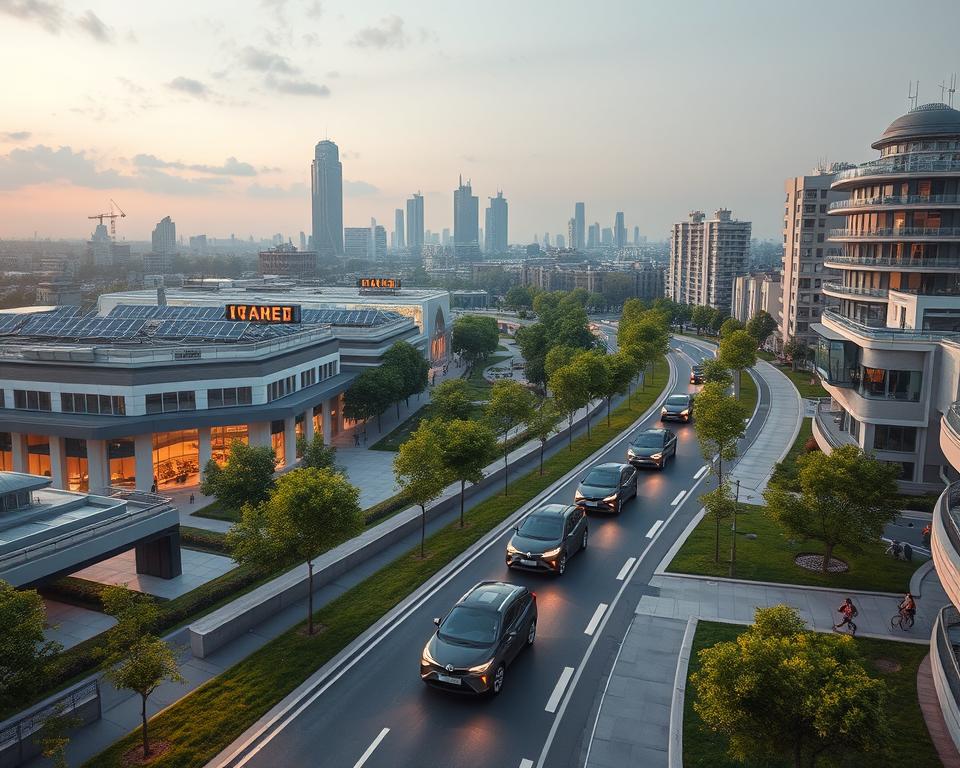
pixel 781 693
pixel 715 371
pixel 475 337
pixel 719 504
pixel 420 471
pixel 410 366
pixel 246 478
pixel 846 499
pixel 720 422
pixel 451 399
pixel 518 297
pixel 25 653
pixel 738 350
pixel 316 455
pixel 371 393
pixel 594 372
pixel 730 325
pixel 620 370
pixel 796 350
pixel 760 326
pixel 466 447
pixel 510 405
pixel 542 422
pixel 559 356
pixel 570 392
pixel 701 317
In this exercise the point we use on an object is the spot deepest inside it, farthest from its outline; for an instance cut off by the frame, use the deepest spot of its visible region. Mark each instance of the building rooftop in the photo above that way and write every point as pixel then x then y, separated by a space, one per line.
pixel 14 482
pixel 923 121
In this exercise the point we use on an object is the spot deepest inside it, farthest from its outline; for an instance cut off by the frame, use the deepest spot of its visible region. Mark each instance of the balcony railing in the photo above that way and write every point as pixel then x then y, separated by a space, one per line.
pixel 894 201
pixel 953 419
pixel 900 166
pixel 829 418
pixel 849 290
pixel 899 232
pixel 947 619
pixel 905 263
pixel 892 334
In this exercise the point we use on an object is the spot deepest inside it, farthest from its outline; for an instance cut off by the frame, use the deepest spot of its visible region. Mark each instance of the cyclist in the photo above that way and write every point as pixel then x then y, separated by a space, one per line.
pixel 849 612
pixel 908 608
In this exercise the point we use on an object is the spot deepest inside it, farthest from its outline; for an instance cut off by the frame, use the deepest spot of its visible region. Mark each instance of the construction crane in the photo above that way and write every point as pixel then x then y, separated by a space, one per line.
pixel 112 216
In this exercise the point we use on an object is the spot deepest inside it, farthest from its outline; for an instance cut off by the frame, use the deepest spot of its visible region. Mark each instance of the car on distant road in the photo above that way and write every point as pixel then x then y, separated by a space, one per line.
pixel 677 407
pixel 606 487
pixel 697 375
pixel 652 448
pixel 547 538
pixel 479 638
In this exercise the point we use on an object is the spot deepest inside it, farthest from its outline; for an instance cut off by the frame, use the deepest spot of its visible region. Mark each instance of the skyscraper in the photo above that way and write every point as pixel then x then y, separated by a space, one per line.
pixel 326 181
pixel 606 236
pixel 466 221
pixel 415 221
pixel 636 235
pixel 593 238
pixel 578 239
pixel 496 225
pixel 561 242
pixel 572 232
pixel 398 228
pixel 619 231
pixel 164 247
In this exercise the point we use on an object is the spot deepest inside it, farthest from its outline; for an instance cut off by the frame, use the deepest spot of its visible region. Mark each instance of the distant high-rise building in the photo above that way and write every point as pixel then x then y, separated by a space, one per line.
pixel 578 239
pixel 100 250
pixel 705 257
pixel 356 242
pixel 636 235
pixel 593 236
pixel 619 231
pixel 445 236
pixel 164 247
pixel 496 224
pixel 379 242
pixel 606 236
pixel 561 242
pixel 572 232
pixel 481 235
pixel 326 179
pixel 303 241
pixel 466 221
pixel 415 237
pixel 398 228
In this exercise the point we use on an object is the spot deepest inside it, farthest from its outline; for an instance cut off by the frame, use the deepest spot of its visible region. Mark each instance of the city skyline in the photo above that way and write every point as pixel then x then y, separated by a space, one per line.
pixel 71 140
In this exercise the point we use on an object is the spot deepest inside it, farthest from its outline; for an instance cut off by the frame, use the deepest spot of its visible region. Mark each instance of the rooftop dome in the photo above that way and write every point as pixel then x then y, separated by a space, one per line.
pixel 926 120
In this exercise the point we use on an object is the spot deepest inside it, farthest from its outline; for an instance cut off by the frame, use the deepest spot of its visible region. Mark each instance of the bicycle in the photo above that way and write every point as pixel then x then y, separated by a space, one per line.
pixel 903 620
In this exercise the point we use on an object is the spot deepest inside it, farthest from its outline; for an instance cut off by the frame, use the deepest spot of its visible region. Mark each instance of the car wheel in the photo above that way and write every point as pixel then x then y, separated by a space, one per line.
pixel 498 680
pixel 583 541
pixel 532 632
pixel 562 563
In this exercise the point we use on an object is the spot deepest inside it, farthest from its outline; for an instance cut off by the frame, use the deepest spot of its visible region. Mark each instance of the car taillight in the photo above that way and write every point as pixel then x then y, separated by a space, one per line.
pixel 533 595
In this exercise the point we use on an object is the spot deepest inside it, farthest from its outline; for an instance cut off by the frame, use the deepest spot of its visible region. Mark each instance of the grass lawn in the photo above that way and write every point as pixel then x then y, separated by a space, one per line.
pixel 748 392
pixel 392 441
pixel 216 511
pixel 802 381
pixel 770 556
pixel 478 387
pixel 911 743
pixel 204 722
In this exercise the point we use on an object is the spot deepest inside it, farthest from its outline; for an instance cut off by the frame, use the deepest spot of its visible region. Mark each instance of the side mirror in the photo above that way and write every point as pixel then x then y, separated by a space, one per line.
pixel 516 528
pixel 511 635
pixel 436 620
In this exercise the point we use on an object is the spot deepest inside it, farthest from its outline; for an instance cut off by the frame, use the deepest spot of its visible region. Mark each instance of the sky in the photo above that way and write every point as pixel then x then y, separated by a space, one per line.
pixel 209 111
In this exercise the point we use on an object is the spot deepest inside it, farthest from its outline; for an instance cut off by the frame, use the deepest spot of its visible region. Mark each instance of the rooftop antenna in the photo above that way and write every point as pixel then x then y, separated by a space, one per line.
pixel 952 89
pixel 913 93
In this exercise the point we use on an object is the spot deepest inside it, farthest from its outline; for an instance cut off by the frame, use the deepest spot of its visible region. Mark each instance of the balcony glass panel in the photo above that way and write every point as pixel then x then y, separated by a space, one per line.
pixel 838 362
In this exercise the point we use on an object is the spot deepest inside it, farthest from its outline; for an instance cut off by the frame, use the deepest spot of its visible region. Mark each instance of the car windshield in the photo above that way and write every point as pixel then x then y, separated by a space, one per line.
pixel 543 527
pixel 602 477
pixel 469 626
pixel 654 440
pixel 677 400
pixel 698 369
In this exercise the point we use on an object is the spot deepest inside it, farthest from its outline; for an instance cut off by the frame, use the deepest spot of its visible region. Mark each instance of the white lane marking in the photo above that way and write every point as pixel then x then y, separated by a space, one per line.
pixel 700 471
pixel 626 567
pixel 376 743
pixel 678 499
pixel 595 619
pixel 655 527
pixel 525 763
pixel 558 689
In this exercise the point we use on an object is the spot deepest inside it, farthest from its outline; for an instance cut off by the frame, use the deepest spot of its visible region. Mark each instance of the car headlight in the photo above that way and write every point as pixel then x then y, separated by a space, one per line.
pixel 552 553
pixel 578 495
pixel 685 412
pixel 663 411
pixel 610 498
pixel 426 658
pixel 512 550
pixel 481 668
pixel 656 456
pixel 630 453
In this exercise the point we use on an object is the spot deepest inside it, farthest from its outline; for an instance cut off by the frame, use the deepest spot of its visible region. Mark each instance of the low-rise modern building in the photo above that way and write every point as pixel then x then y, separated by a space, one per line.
pixel 288 261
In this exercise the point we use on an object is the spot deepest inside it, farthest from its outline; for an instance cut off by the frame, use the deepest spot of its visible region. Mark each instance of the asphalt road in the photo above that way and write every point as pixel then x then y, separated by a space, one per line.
pixel 379 714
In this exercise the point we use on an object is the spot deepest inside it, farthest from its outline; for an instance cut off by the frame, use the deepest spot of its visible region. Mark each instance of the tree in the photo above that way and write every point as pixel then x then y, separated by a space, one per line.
pixel 719 504
pixel 720 424
pixel 543 422
pixel 738 350
pixel 53 737
pixel 760 326
pixel 371 393
pixel 309 511
pixel 620 369
pixel 410 366
pixel 558 357
pixel 594 373
pixel 780 692
pixel 796 350
pixel 510 404
pixel 597 302
pixel 466 447
pixel 518 297
pixel 715 371
pixel 24 652
pixel 632 310
pixel 570 393
pixel 316 455
pixel 618 286
pixel 701 317
pixel 475 337
pixel 246 478
pixel 647 338
pixel 730 325
pixel 846 499
pixel 420 472
pixel 451 399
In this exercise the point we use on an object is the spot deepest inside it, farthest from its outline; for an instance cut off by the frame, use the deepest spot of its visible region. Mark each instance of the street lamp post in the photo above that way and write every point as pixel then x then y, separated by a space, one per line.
pixel 733 543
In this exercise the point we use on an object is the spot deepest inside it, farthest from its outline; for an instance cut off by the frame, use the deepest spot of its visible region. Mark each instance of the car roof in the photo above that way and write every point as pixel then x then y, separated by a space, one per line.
pixel 490 595
pixel 610 465
pixel 680 394
pixel 551 510
pixel 652 431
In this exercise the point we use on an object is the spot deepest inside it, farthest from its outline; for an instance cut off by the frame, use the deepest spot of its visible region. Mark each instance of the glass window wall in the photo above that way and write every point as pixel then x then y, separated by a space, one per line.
pixel 221 439
pixel 78 476
pixel 123 465
pixel 176 458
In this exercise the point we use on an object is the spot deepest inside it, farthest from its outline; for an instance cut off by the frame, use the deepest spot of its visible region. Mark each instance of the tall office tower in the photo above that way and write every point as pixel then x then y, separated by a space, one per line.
pixel 805 222
pixel 356 242
pixel 303 241
pixel 466 221
pixel 636 235
pixel 379 241
pixel 561 242
pixel 705 256
pixel 415 221
pixel 579 242
pixel 606 236
pixel 619 231
pixel 100 250
pixel 593 236
pixel 496 225
pixel 164 237
pixel 398 228
pixel 480 239
pixel 888 355
pixel 326 182
pixel 572 232
pixel 546 239
pixel 445 236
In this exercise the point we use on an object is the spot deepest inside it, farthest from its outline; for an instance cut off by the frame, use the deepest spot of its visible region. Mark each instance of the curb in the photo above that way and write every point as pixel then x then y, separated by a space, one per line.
pixel 675 745
pixel 782 585
pixel 661 569
pixel 918 576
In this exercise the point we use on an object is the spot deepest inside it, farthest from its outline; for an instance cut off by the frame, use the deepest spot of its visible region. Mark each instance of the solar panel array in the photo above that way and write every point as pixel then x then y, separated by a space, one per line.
pixel 221 330
pixel 152 311
pixel 12 322
pixel 355 317
pixel 88 327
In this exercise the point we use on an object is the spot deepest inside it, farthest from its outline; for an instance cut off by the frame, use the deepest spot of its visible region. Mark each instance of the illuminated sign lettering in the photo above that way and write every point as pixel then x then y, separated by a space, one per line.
pixel 379 283
pixel 263 313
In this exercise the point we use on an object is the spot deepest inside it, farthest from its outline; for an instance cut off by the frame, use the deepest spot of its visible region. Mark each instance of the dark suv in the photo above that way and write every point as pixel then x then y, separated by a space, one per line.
pixel 477 640
pixel 677 408
pixel 652 448
pixel 697 375
pixel 547 538
pixel 606 487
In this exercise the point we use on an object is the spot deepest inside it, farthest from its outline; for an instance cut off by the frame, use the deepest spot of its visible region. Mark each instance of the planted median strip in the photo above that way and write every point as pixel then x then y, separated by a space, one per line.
pixel 204 722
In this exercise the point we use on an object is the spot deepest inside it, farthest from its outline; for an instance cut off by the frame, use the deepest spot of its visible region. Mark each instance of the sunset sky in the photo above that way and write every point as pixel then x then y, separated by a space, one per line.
pixel 209 111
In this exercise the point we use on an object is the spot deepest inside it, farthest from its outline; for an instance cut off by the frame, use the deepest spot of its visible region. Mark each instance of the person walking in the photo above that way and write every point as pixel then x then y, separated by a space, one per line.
pixel 849 611
pixel 356 437
pixel 926 535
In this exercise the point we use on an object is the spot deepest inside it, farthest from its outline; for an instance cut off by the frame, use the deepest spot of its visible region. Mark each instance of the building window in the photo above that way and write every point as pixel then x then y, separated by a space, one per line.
pixel 169 402
pixel 281 388
pixel 308 378
pixel 123 465
pixel 277 442
pixel 222 438
pixel 176 458
pixel 31 400
pixel 38 455
pixel 229 397
pixel 887 437
pixel 6 452
pixel 78 402
pixel 78 475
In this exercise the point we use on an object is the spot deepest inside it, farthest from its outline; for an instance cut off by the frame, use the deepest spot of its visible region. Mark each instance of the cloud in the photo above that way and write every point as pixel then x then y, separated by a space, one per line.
pixel 13 136
pixel 189 86
pixel 277 192
pixel 49 15
pixel 93 26
pixel 42 164
pixel 358 189
pixel 231 166
pixel 333 73
pixel 296 87
pixel 265 61
pixel 153 180
pixel 314 10
pixel 388 34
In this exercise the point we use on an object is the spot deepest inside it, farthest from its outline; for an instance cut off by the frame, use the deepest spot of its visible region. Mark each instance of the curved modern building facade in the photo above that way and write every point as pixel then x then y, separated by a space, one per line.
pixel 886 353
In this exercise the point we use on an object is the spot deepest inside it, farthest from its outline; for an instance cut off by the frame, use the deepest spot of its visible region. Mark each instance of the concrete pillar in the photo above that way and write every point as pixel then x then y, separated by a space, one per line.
pixel 160 556
pixel 204 450
pixel 97 468
pixel 327 423
pixel 143 460
pixel 19 447
pixel 338 400
pixel 289 441
pixel 58 462
pixel 259 434
pixel 308 425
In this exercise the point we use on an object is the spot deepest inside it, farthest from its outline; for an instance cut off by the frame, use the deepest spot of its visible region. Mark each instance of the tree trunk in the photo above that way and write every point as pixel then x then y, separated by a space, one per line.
pixel 827 554
pixel 309 598
pixel 143 720
pixel 716 543
pixel 542 443
pixel 506 466
pixel 587 415
pixel 570 431
pixel 423 528
pixel 380 423
pixel 462 486
pixel 608 413
pixel 398 410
